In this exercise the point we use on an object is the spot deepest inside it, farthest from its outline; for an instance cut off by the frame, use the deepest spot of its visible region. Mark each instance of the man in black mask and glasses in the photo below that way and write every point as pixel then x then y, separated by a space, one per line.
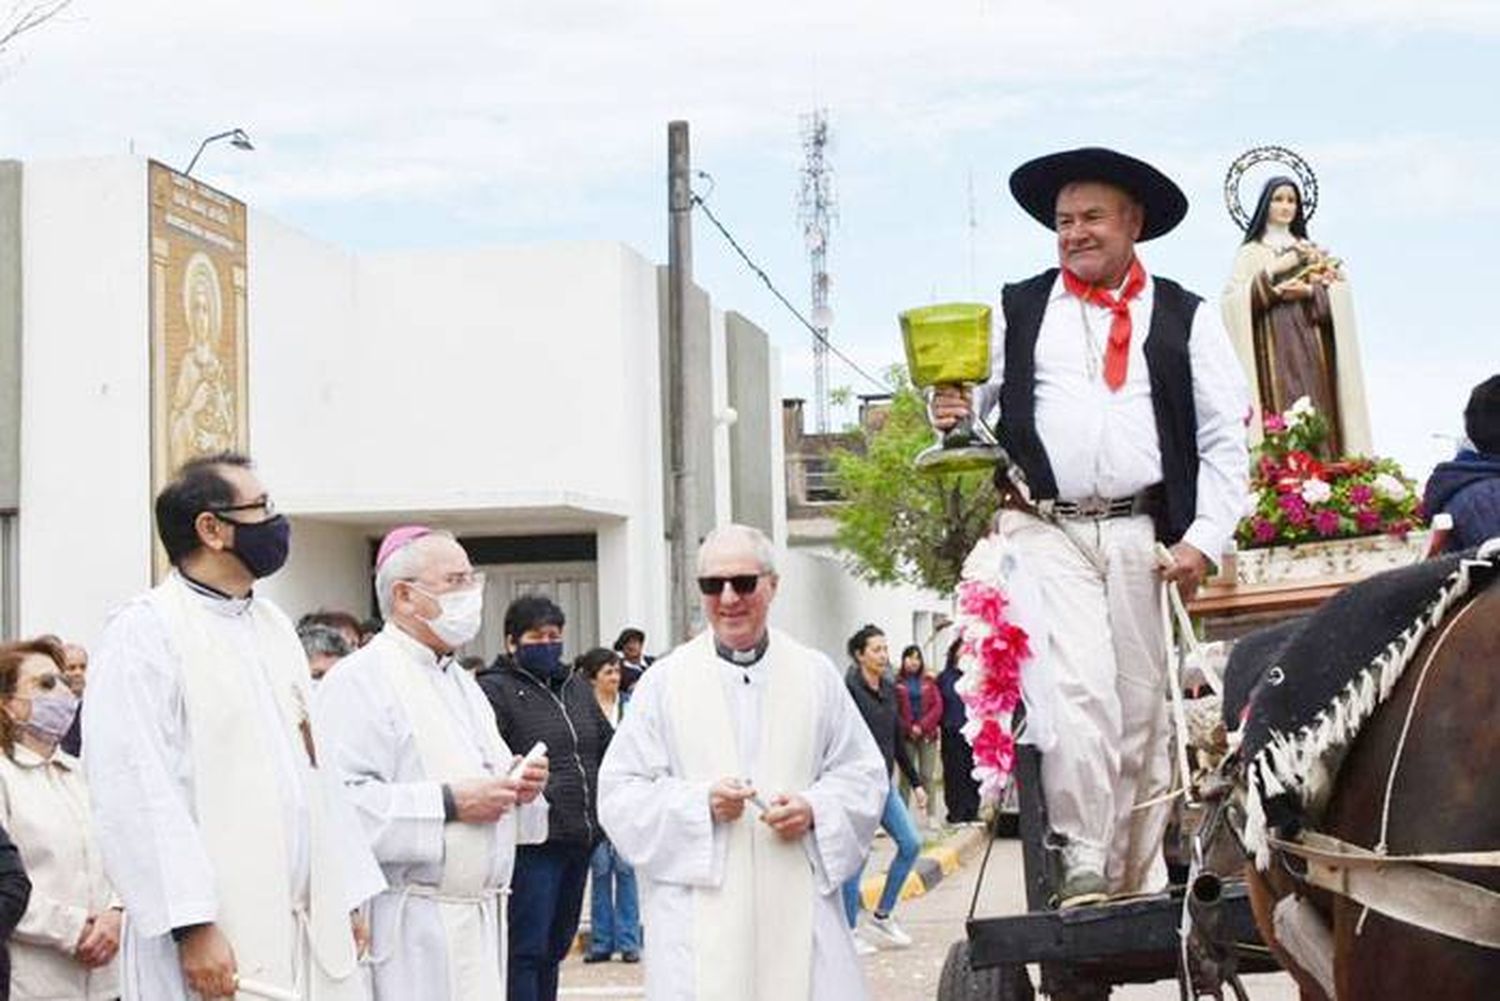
pixel 744 787
pixel 204 771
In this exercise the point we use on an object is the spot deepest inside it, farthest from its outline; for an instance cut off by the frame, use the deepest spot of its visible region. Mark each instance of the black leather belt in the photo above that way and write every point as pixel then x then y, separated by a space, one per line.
pixel 1104 508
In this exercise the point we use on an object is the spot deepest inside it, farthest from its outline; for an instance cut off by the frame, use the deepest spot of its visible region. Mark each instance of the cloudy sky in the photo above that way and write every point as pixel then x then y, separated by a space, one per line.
pixel 381 124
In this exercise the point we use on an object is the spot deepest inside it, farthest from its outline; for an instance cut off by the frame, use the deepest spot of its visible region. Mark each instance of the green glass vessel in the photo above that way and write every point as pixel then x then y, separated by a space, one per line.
pixel 948 344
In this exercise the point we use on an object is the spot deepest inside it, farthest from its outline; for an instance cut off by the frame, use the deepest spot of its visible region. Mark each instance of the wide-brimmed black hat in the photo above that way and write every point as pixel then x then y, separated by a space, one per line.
pixel 1035 185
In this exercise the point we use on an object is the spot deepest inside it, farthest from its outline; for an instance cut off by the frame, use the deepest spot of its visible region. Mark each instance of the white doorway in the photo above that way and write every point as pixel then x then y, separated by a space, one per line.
pixel 574 586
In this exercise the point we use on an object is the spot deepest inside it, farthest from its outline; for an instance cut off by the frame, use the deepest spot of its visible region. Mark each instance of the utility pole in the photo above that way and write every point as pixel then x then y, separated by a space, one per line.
pixel 682 521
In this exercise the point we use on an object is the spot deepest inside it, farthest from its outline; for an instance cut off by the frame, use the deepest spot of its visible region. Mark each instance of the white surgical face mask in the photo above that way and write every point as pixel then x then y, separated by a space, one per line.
pixel 462 612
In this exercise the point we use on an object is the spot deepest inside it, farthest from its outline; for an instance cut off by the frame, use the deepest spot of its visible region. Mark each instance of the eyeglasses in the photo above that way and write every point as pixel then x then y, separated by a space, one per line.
pixel 263 503
pixel 743 584
pixel 456 581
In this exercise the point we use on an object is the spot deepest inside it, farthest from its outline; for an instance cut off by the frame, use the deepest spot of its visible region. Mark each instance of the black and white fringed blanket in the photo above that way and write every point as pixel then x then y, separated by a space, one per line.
pixel 1321 681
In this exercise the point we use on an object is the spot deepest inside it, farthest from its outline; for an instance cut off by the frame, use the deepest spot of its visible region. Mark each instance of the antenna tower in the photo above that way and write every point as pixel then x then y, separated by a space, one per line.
pixel 818 212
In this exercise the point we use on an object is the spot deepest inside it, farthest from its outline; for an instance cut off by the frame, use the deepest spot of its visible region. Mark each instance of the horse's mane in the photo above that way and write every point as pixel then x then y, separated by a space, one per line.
pixel 1318 681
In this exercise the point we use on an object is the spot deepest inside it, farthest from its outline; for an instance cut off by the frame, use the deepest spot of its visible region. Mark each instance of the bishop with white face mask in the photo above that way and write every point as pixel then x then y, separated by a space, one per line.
pixel 431 778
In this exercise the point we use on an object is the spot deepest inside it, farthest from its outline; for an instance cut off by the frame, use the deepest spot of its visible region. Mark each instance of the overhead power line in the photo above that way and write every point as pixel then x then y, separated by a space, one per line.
pixel 822 338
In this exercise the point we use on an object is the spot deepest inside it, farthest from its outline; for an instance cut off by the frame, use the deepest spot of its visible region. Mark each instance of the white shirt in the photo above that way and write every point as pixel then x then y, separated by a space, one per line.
pixel 1103 443
pixel 44 805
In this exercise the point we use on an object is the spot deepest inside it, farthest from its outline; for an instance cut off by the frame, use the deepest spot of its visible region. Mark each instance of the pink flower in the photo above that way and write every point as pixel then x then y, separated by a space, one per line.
pixel 982 601
pixel 994 747
pixel 1326 522
pixel 1273 423
pixel 1294 507
pixel 1360 494
pixel 1400 527
pixel 1367 520
pixel 1262 529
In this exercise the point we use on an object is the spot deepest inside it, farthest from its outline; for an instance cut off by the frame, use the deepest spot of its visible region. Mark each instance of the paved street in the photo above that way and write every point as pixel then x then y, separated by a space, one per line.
pixel 935 921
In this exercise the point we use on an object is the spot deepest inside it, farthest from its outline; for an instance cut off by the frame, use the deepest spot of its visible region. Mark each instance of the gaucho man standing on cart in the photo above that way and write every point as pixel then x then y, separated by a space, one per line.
pixel 1122 403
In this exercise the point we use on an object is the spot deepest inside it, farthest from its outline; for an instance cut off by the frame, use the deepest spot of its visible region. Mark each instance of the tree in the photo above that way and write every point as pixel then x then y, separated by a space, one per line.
pixel 27 15
pixel 899 525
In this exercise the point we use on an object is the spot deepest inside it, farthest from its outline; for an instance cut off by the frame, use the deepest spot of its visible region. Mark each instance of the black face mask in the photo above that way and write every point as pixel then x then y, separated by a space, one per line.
pixel 261 545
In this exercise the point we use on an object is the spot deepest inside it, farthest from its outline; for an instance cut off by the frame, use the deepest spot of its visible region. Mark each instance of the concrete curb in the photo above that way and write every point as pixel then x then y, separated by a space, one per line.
pixel 931 867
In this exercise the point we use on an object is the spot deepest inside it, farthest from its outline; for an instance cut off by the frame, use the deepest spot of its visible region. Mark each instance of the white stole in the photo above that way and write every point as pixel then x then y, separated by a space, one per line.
pixel 239 810
pixel 753 933
pixel 465 897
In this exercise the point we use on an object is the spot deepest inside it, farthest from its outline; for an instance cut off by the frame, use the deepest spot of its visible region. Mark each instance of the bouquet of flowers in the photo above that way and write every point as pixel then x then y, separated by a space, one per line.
pixel 991 652
pixel 1298 498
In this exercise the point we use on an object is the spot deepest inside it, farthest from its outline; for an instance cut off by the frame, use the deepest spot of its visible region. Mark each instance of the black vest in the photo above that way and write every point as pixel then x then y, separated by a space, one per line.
pixel 1167 364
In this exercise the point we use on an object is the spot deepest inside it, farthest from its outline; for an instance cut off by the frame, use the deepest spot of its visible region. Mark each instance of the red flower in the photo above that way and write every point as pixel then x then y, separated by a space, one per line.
pixel 995 748
pixel 1303 466
pixel 1367 520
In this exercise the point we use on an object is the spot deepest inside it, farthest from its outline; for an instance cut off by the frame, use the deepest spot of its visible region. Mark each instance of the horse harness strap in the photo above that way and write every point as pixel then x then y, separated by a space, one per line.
pixel 1402 887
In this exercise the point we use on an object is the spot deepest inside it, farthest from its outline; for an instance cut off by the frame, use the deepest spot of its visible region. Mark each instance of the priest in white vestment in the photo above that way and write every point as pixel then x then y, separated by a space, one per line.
pixel 416 742
pixel 222 830
pixel 745 788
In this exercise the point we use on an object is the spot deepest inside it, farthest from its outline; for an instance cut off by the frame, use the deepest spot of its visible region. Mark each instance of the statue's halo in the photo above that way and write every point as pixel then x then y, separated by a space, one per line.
pixel 1268 154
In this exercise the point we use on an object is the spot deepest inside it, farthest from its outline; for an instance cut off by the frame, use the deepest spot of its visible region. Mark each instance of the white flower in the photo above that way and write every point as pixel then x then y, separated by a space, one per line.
pixel 1302 408
pixel 1315 491
pixel 1389 487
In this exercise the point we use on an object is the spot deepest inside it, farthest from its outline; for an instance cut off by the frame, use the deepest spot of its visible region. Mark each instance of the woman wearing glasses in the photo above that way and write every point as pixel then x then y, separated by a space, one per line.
pixel 66 942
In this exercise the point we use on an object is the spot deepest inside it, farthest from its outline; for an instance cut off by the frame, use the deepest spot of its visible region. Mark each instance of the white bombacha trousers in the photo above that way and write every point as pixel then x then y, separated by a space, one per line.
pixel 1101 595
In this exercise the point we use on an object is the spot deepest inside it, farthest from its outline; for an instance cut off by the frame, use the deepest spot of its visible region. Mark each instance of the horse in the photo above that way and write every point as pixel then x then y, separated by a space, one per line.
pixel 1413 780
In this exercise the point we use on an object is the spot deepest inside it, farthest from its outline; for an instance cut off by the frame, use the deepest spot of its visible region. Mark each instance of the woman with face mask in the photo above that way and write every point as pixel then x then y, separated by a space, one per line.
pixel 65 944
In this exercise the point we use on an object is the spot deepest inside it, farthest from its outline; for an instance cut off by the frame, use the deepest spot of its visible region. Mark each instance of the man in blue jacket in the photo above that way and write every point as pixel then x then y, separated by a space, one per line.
pixel 1468 485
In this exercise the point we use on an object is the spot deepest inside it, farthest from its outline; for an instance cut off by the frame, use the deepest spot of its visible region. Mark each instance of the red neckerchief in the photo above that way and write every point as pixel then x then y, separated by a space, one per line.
pixel 1117 353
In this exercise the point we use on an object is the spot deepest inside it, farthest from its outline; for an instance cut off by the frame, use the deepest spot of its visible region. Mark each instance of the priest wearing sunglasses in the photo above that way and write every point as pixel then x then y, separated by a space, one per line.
pixel 744 787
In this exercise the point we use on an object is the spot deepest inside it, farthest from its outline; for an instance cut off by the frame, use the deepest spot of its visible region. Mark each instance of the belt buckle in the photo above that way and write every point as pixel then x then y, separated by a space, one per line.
pixel 1093 507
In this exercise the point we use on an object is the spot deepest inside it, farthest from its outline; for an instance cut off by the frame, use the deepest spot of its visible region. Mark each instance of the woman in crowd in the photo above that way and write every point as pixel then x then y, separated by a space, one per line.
pixel 920 705
pixel 65 944
pixel 875 697
pixel 614 912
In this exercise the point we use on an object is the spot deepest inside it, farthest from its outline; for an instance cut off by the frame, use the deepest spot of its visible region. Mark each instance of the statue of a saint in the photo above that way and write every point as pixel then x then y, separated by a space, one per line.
pixel 200 420
pixel 1291 318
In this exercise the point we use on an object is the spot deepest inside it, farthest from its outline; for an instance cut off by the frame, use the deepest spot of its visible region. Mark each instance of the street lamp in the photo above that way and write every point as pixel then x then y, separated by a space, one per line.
pixel 237 138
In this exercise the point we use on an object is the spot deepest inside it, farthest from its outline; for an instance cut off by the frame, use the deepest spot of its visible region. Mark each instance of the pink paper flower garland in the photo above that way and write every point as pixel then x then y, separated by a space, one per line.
pixel 991 652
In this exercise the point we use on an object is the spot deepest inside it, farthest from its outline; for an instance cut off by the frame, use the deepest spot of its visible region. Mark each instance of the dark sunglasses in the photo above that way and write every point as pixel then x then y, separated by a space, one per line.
pixel 743 584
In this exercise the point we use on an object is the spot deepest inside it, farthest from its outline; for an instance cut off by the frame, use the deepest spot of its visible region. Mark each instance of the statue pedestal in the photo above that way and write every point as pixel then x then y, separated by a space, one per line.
pixel 1256 587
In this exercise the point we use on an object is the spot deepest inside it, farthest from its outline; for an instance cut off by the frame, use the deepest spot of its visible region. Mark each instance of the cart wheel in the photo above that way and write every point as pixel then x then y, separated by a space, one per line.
pixel 961 982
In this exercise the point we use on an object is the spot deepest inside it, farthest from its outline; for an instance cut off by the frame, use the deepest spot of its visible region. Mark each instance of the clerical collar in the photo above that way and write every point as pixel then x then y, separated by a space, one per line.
pixel 221 600
pixel 416 648
pixel 743 658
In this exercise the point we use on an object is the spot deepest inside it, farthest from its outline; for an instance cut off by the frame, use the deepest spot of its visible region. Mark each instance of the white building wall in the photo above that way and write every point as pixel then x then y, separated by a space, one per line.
pixel 85 523
pixel 329 569
pixel 821 604
pixel 491 391
pixel 719 365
